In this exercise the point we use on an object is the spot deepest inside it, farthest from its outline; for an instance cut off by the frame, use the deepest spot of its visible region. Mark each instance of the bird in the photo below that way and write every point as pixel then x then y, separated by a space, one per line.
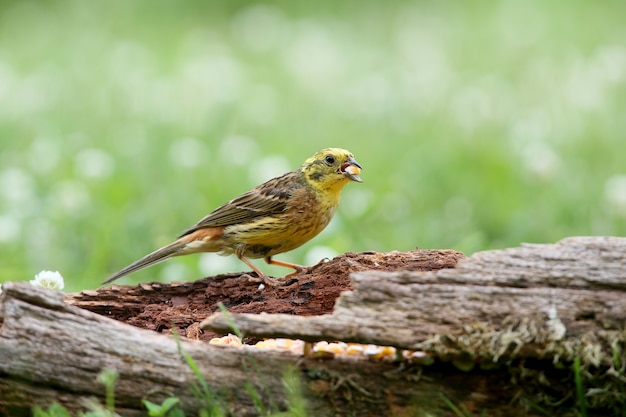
pixel 275 217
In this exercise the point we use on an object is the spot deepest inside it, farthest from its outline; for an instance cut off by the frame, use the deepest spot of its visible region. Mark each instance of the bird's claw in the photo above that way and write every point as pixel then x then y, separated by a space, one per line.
pixel 272 282
pixel 298 270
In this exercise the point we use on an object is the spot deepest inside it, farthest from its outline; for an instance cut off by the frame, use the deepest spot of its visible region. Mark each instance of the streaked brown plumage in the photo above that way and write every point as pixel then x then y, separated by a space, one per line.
pixel 275 217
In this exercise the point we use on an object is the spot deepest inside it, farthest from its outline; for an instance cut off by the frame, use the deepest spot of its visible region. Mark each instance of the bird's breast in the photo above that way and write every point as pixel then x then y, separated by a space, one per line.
pixel 304 218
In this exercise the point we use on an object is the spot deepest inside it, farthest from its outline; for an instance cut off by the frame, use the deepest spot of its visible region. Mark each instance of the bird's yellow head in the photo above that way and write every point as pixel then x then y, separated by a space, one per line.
pixel 330 169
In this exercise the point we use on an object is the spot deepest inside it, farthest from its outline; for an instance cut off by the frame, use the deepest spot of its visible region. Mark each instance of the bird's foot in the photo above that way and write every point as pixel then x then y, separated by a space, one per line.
pixel 299 269
pixel 272 282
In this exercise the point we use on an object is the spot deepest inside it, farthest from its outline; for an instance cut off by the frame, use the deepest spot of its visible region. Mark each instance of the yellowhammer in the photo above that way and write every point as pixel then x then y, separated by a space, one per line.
pixel 275 217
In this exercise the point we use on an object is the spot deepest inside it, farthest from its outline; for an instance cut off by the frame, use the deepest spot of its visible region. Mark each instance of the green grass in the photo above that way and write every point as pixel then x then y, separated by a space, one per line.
pixel 480 125
pixel 580 389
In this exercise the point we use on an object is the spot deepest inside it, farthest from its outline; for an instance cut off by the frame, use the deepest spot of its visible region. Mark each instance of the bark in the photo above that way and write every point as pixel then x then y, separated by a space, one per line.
pixel 53 352
pixel 157 306
pixel 567 290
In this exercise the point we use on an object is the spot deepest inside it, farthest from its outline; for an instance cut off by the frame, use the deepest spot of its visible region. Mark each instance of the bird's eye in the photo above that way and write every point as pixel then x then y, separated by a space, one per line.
pixel 329 159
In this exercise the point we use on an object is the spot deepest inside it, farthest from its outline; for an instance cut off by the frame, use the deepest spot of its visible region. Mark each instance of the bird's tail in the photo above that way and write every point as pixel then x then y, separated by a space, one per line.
pixel 152 258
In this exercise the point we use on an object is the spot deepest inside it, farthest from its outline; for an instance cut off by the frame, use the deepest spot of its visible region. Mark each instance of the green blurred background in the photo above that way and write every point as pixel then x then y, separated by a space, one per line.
pixel 479 125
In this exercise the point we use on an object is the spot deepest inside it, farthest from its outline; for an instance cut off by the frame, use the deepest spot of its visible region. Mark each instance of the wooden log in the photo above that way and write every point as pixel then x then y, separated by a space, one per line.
pixel 156 306
pixel 502 328
pixel 533 295
pixel 52 351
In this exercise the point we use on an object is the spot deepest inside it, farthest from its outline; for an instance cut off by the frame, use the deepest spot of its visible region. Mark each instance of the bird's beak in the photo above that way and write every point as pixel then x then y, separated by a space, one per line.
pixel 352 169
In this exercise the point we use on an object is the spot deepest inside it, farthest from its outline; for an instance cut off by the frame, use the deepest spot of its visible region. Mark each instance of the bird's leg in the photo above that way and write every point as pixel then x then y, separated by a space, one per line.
pixel 298 268
pixel 269 281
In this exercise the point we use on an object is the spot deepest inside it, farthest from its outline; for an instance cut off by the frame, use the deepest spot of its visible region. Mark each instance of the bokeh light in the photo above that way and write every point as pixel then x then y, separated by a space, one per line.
pixel 479 125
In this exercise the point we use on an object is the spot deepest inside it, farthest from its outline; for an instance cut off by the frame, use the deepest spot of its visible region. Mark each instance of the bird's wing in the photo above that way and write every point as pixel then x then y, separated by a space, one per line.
pixel 268 198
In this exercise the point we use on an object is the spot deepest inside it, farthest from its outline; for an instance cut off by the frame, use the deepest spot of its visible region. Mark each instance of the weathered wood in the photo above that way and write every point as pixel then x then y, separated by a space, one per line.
pixel 52 351
pixel 561 292
pixel 156 306
pixel 60 348
pixel 522 310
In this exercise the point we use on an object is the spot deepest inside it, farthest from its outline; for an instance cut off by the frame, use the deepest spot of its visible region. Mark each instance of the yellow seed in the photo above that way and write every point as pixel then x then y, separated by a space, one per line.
pixel 263 344
pixel 320 346
pixel 284 344
pixel 336 348
pixel 386 352
pixel 354 349
pixel 353 170
pixel 229 340
pixel 371 350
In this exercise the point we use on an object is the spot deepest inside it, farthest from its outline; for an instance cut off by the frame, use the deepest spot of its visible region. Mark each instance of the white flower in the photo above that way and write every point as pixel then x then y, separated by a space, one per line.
pixel 49 279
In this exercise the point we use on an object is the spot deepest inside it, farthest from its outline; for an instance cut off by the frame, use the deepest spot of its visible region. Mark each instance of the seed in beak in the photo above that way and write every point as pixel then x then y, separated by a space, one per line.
pixel 352 169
